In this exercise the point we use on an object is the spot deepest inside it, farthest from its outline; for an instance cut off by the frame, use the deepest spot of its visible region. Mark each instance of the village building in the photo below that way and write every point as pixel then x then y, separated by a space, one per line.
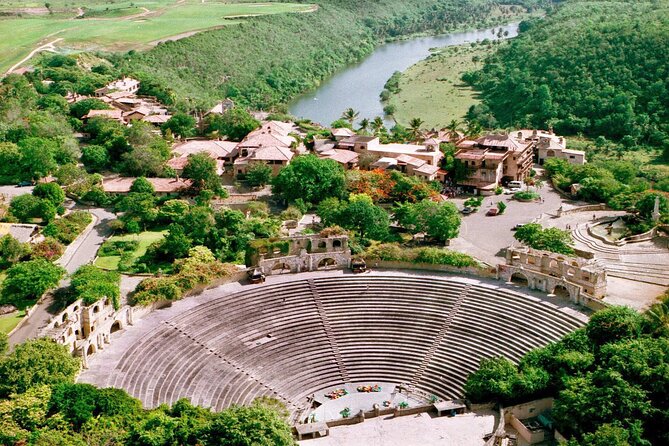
pixel 162 186
pixel 221 151
pixel 428 152
pixel 114 114
pixel 493 160
pixel 126 84
pixel 347 159
pixel 411 166
pixel 342 133
pixel 276 157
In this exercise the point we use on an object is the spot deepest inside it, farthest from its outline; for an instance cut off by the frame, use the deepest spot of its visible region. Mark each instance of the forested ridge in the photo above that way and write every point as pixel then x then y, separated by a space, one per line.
pixel 593 67
pixel 266 61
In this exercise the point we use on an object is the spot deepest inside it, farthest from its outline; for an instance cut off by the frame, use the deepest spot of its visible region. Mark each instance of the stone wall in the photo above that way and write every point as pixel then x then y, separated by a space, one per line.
pixel 488 272
pixel 304 253
pixel 550 272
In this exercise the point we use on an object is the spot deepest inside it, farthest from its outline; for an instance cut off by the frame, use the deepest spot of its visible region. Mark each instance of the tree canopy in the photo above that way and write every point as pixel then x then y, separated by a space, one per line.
pixel 311 179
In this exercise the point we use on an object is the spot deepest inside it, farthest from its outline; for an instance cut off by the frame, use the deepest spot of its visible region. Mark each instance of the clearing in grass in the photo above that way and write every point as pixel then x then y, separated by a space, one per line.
pixel 130 247
pixel 433 91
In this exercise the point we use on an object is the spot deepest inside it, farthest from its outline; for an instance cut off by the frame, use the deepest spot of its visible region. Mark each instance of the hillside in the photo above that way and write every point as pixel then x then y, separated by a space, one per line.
pixel 268 60
pixel 592 67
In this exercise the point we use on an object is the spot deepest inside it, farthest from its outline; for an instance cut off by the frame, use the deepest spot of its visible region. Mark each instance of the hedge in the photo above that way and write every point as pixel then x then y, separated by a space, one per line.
pixel 434 256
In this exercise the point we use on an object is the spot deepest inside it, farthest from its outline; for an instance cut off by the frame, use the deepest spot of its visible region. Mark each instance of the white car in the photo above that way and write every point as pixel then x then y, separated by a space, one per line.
pixel 512 191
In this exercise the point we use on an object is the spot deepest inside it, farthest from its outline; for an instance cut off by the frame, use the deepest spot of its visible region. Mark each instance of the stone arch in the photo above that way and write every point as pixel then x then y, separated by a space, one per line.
pixel 91 349
pixel 281 268
pixel 553 263
pixel 64 318
pixel 96 309
pixel 561 291
pixel 327 263
pixel 322 244
pixel 116 326
pixel 520 279
pixel 550 153
pixel 336 243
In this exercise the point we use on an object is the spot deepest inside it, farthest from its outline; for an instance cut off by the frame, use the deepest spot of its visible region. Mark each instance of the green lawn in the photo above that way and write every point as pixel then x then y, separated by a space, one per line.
pixel 9 321
pixel 144 238
pixel 167 18
pixel 433 90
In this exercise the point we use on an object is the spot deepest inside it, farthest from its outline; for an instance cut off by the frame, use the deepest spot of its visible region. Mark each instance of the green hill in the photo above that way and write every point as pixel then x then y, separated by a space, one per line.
pixel 591 67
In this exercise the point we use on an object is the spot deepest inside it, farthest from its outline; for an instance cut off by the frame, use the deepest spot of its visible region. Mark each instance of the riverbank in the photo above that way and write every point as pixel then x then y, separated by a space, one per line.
pixel 432 89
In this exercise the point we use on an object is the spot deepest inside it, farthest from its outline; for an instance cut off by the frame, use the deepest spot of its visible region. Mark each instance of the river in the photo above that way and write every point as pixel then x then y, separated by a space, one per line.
pixel 358 86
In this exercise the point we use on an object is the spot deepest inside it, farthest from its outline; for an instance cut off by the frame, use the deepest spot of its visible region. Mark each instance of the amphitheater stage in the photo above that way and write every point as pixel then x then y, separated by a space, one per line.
pixel 296 335
pixel 387 397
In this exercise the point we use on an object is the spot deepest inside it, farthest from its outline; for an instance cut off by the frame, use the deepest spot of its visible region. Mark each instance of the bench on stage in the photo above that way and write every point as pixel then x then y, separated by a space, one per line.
pixel 454 407
pixel 321 429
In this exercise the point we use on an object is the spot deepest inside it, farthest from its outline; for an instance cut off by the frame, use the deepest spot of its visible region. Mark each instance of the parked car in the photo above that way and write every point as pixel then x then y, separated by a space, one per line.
pixel 518 226
pixel 467 210
pixel 24 184
pixel 358 265
pixel 492 212
pixel 512 191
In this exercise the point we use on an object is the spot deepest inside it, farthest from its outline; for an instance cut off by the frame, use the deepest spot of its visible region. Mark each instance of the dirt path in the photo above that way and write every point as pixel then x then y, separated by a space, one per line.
pixel 46 47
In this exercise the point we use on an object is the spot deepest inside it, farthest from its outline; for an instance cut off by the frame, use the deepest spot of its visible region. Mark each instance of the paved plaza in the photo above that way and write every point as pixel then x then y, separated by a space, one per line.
pixel 417 430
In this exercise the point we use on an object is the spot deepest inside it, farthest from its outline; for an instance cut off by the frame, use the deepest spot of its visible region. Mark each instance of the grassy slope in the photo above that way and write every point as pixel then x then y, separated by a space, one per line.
pixel 145 239
pixel 22 34
pixel 268 61
pixel 433 90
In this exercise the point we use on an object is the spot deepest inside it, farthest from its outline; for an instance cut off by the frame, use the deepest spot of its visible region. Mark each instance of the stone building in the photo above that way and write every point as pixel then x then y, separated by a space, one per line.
pixel 299 253
pixel 87 329
pixel 553 273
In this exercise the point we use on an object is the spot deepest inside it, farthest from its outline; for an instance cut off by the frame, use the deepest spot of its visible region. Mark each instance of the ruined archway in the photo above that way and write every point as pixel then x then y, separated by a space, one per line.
pixel 327 263
pixel 561 291
pixel 116 326
pixel 91 350
pixel 519 279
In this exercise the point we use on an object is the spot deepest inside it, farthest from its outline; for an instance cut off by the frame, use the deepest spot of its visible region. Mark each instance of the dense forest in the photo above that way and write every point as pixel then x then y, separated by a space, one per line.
pixel 593 67
pixel 610 379
pixel 266 61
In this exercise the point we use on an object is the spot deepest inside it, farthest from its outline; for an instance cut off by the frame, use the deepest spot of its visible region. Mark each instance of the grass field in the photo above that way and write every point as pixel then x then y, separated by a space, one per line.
pixel 119 26
pixel 432 89
pixel 144 238
pixel 9 321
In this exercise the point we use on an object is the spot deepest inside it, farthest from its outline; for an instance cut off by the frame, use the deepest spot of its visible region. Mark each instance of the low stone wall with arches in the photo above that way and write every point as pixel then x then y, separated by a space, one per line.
pixel 553 273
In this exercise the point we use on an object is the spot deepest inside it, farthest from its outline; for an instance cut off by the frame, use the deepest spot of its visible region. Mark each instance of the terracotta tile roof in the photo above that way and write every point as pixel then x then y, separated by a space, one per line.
pixel 266 139
pixel 161 185
pixel 215 149
pixel 341 156
pixel 111 114
pixel 427 169
pixel 157 119
pixel 268 153
pixel 410 160
pixel 343 132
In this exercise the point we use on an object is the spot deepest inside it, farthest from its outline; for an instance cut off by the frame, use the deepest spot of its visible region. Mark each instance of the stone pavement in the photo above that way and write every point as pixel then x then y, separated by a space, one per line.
pixel 416 430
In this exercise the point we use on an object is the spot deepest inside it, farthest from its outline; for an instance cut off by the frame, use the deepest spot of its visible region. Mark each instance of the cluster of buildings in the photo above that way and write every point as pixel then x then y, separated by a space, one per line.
pixel 496 159
pixel 349 149
pixel 125 106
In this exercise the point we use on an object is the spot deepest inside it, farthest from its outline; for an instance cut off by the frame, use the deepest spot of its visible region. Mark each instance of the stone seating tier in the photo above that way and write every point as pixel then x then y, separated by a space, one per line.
pixel 289 341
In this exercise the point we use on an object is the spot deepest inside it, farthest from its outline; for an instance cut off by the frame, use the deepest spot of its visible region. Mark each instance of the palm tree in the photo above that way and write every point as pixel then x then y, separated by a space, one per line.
pixel 377 125
pixel 364 125
pixel 414 127
pixel 350 115
pixel 454 129
pixel 473 129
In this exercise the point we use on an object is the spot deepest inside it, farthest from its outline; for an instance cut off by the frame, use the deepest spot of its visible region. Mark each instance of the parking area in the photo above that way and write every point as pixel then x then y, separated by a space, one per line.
pixel 485 237
pixel 11 191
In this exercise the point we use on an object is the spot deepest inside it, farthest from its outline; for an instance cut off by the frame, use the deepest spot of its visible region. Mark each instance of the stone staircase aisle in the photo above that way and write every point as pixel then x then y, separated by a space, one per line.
pixel 329 333
pixel 418 374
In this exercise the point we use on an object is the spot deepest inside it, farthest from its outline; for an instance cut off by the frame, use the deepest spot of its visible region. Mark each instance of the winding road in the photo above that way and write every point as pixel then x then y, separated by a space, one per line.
pixel 80 252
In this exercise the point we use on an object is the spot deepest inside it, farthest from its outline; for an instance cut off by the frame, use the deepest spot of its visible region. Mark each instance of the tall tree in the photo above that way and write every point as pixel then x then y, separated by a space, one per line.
pixel 350 115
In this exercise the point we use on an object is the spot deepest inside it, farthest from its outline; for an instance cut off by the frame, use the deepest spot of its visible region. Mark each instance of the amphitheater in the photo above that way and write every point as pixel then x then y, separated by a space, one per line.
pixel 298 336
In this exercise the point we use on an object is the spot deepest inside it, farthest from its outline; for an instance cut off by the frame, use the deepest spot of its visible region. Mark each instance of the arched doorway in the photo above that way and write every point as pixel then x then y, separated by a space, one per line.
pixel 91 350
pixel 561 291
pixel 519 279
pixel 116 326
pixel 281 268
pixel 327 263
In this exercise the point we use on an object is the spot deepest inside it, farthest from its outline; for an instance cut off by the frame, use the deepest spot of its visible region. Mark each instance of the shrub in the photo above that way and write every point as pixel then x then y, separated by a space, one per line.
pixel 27 281
pixel 92 284
pixel 433 256
pixel 67 228
pixel 474 202
pixel 526 196
pixel 49 249
pixel 117 247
